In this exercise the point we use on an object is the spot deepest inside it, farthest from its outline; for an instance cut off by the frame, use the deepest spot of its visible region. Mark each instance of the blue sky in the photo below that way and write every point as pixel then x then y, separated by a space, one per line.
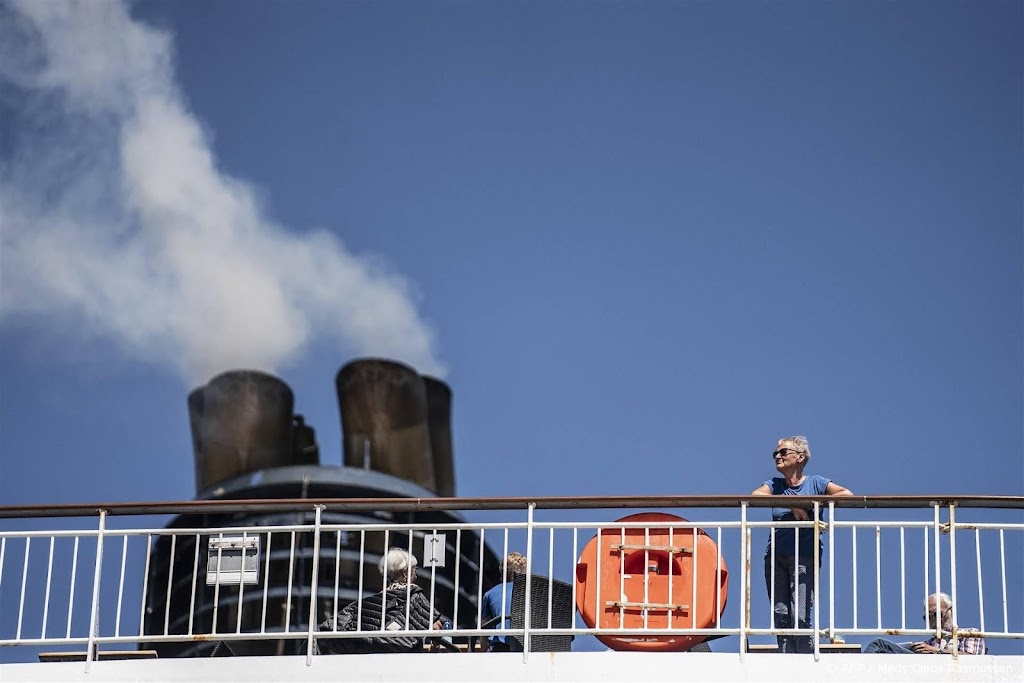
pixel 642 241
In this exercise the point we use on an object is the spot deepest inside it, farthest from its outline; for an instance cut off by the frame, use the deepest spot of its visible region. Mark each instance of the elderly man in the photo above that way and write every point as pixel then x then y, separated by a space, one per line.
pixel 938 610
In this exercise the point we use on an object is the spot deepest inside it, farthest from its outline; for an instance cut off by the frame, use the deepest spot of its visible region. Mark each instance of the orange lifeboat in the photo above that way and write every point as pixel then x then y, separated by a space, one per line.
pixel 644 578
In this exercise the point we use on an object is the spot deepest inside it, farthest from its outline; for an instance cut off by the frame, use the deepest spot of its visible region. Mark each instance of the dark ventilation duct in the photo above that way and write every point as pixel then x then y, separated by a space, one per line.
pixel 305 450
pixel 383 408
pixel 241 422
pixel 439 410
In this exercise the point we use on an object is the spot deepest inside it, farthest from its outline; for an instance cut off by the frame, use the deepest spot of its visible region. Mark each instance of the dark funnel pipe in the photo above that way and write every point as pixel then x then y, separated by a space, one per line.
pixel 383 408
pixel 241 422
pixel 439 410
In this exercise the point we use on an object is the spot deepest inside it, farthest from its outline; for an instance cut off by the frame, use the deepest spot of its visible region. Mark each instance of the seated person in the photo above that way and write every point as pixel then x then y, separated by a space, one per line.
pixel 497 605
pixel 398 568
pixel 938 610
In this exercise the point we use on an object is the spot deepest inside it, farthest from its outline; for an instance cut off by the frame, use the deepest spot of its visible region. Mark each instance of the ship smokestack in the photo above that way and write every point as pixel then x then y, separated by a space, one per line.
pixel 241 422
pixel 384 418
pixel 439 413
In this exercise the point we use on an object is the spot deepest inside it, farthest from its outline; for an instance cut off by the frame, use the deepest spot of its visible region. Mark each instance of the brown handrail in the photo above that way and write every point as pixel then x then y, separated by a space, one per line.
pixel 508 503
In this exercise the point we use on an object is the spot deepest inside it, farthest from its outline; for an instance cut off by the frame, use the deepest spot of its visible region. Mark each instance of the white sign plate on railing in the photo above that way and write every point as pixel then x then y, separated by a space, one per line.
pixel 233 560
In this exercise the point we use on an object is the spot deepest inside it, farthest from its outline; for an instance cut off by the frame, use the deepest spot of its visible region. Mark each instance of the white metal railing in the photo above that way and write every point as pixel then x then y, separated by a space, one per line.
pixel 969 548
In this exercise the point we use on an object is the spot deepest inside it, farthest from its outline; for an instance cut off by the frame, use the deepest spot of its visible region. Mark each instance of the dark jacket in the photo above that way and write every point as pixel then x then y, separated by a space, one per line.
pixel 392 604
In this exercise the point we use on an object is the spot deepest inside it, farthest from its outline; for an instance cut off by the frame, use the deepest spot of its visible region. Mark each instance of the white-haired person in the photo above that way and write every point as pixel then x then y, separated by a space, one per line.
pixel 497 603
pixel 939 615
pixel 787 568
pixel 401 606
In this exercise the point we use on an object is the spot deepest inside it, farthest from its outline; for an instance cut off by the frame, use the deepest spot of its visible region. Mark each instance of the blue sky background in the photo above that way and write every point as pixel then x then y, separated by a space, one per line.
pixel 648 239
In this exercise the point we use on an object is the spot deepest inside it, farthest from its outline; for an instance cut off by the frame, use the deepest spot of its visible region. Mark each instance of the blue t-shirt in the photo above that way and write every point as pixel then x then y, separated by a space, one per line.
pixel 491 607
pixel 785 544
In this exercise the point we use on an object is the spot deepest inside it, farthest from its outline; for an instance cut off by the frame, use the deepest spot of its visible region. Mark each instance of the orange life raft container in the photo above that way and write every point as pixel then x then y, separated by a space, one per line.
pixel 640 578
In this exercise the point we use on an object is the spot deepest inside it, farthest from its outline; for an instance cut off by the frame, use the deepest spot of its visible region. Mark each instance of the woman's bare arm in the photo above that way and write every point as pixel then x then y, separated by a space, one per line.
pixel 834 489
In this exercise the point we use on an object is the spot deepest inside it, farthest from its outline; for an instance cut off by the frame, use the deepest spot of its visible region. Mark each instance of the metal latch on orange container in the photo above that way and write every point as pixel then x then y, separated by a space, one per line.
pixel 647 605
pixel 661 548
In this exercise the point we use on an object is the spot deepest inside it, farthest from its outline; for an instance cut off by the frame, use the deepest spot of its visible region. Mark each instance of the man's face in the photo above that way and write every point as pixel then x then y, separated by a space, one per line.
pixel 937 615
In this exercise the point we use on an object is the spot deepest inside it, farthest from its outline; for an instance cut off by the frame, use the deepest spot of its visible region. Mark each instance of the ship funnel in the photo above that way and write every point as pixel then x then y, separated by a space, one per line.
pixel 439 413
pixel 241 422
pixel 384 418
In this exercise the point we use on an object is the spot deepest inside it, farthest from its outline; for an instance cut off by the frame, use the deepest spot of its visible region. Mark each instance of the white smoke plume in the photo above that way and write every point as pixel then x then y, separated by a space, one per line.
pixel 115 216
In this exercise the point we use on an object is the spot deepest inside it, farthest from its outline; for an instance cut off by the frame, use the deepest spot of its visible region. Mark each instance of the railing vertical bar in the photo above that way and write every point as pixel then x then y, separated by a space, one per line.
pixel 291 584
pixel 597 569
pixel 744 580
pixel 216 583
pixel 504 577
pixel 74 580
pixel 795 617
pixel 831 571
pixel 693 601
pixel 927 565
pixel 817 578
pixel 938 568
pixel 337 575
pixel 622 576
pixel 952 576
pixel 853 550
pixel 266 584
pixel 120 585
pixel 572 559
pixel 24 582
pixel 647 574
pixel 458 585
pixel 551 571
pixel 903 580
pixel 94 610
pixel 3 551
pixel 311 622
pixel 46 600
pixel 671 565
pixel 408 583
pixel 480 586
pixel 878 575
pixel 771 588
pixel 359 605
pixel 1002 567
pixel 433 579
pixel 362 569
pixel 241 586
pixel 192 592
pixel 170 579
pixel 145 585
pixel 981 592
pixel 718 577
pixel 529 572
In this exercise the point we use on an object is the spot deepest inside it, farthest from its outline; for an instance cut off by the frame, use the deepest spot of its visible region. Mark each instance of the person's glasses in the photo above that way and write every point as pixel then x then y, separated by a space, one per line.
pixel 784 452
pixel 930 613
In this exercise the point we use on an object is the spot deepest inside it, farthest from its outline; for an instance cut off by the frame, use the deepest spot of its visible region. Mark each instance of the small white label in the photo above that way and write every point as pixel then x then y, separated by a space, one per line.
pixel 433 550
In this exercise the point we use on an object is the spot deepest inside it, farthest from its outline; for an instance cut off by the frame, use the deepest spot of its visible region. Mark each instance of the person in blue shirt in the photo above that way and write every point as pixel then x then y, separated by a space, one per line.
pixel 497 605
pixel 789 559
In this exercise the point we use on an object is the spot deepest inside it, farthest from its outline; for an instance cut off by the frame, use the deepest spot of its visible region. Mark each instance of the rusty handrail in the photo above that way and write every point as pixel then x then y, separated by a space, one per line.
pixel 497 503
